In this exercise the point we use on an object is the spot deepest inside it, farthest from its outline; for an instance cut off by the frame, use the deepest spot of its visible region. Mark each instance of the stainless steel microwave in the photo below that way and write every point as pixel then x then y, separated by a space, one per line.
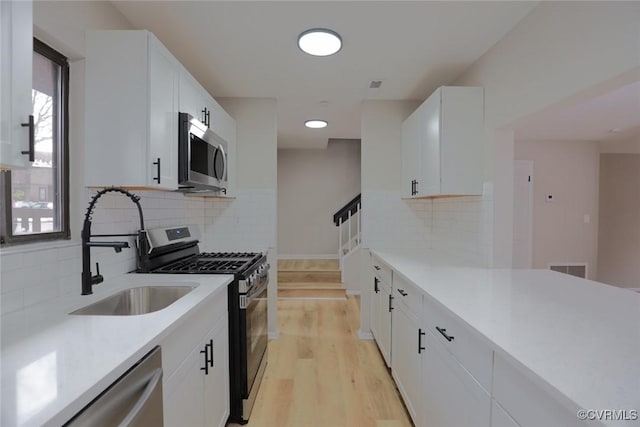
pixel 202 158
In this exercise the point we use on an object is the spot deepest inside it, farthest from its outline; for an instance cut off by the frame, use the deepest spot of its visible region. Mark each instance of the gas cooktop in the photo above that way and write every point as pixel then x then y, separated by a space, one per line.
pixel 213 263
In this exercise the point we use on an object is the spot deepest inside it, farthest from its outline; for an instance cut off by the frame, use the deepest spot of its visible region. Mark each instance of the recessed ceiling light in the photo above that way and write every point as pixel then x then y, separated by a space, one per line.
pixel 316 124
pixel 320 42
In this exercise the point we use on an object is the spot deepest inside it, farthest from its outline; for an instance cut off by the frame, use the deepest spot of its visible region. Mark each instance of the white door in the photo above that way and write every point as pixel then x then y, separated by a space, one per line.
pixel 523 214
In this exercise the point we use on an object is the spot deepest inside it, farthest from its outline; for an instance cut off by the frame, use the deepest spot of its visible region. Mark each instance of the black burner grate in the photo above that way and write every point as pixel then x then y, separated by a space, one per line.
pixel 217 262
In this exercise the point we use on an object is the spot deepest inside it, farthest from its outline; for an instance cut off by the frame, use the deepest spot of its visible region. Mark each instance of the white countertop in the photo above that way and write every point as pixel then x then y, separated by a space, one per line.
pixel 53 363
pixel 578 339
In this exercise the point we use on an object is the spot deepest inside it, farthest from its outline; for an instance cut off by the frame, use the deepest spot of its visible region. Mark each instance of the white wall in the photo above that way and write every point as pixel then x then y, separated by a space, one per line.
pixel 619 225
pixel 568 170
pixel 37 273
pixel 249 222
pixel 312 186
pixel 630 145
pixel 541 63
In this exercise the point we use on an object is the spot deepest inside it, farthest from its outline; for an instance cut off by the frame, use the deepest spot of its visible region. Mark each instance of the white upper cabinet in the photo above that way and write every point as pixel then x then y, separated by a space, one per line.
pixel 442 144
pixel 131 104
pixel 16 56
pixel 195 100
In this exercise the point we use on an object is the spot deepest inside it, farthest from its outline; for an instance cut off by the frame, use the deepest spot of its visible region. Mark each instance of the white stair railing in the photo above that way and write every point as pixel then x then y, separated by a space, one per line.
pixel 349 233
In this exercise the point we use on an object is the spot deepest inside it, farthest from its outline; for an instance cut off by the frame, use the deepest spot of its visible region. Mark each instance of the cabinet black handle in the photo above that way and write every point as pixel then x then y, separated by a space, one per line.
pixel 31 152
pixel 206 117
pixel 402 292
pixel 157 163
pixel 390 303
pixel 413 187
pixel 443 332
pixel 420 347
pixel 377 267
pixel 375 285
pixel 206 359
pixel 211 350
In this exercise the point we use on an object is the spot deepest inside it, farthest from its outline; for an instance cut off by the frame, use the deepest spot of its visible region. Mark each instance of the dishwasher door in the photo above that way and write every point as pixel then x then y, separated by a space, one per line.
pixel 134 400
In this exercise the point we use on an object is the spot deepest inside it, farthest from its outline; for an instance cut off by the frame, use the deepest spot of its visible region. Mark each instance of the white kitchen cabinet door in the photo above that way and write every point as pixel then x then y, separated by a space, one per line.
pixel 197 394
pixel 375 307
pixel 384 325
pixel 222 123
pixel 499 418
pixel 430 143
pixel 16 48
pixel 406 366
pixel 216 383
pixel 163 117
pixel 192 96
pixel 131 103
pixel 184 399
pixel 446 136
pixel 411 129
pixel 450 395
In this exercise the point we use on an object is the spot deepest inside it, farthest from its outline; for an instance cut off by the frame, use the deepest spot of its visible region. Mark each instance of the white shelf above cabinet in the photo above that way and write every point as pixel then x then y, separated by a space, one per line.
pixel 131 103
pixel 442 144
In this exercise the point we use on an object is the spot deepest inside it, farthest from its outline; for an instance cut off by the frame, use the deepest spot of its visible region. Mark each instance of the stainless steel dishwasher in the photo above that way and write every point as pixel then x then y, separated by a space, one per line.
pixel 133 400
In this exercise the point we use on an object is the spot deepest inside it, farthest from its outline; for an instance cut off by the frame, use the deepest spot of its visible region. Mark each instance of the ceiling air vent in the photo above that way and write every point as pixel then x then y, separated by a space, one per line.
pixel 574 269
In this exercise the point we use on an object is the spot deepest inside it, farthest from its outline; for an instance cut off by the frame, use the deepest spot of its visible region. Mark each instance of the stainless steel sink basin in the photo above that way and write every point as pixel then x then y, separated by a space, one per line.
pixel 135 301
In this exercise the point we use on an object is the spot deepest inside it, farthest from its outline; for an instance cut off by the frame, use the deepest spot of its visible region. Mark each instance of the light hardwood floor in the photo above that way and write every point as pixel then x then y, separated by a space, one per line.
pixel 320 374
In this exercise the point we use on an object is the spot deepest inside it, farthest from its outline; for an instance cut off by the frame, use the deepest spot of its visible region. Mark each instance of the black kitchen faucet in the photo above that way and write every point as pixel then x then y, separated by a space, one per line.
pixel 88 280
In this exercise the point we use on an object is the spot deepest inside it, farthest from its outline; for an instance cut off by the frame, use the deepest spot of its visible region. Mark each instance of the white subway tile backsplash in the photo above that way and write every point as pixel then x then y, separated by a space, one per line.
pixel 459 227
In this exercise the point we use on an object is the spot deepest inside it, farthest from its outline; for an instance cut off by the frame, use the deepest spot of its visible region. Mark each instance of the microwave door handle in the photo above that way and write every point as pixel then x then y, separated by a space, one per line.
pixel 224 163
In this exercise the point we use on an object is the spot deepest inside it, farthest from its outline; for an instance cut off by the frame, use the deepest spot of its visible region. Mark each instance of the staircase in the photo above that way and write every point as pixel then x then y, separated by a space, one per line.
pixel 310 278
pixel 348 220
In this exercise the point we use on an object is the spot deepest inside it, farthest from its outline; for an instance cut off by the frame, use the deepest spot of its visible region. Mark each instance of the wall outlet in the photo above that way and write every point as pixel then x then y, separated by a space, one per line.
pixel 549 198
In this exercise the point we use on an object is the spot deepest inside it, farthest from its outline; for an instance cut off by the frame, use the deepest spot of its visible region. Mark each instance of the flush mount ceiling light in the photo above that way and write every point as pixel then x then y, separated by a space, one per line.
pixel 320 42
pixel 316 124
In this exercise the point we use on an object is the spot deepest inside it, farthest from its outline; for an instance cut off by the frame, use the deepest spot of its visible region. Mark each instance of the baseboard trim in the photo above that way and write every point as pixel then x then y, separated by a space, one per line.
pixel 353 292
pixel 365 335
pixel 273 335
pixel 309 256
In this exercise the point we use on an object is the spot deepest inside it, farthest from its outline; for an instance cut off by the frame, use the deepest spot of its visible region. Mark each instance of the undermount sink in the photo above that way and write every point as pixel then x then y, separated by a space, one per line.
pixel 135 301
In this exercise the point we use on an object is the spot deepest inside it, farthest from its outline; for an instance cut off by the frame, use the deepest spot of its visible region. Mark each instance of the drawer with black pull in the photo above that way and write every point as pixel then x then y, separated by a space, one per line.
pixel 461 340
pixel 408 294
pixel 381 270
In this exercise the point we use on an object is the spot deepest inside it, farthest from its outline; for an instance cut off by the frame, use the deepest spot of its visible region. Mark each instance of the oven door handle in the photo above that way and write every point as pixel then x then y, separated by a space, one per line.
pixel 250 298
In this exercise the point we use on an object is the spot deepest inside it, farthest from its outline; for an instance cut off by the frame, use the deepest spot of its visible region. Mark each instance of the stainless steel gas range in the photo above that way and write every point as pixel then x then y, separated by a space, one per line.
pixel 175 251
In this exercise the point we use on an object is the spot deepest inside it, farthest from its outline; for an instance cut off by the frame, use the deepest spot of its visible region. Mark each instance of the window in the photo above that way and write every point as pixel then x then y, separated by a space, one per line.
pixel 35 200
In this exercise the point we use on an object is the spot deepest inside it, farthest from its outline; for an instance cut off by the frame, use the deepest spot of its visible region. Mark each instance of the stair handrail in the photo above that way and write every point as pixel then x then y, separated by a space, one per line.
pixel 351 207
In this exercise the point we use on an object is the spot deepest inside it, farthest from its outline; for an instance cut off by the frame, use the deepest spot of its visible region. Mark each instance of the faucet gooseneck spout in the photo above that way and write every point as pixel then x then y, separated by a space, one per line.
pixel 88 280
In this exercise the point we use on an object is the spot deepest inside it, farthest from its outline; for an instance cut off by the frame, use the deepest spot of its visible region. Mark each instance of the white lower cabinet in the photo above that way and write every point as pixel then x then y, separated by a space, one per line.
pixel 197 394
pixel 499 418
pixel 407 344
pixel 380 312
pixel 195 364
pixel 383 303
pixel 216 383
pixel 526 401
pixel 451 396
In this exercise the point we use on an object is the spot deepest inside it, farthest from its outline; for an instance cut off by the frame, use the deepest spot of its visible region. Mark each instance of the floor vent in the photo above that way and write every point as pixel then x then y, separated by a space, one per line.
pixel 574 269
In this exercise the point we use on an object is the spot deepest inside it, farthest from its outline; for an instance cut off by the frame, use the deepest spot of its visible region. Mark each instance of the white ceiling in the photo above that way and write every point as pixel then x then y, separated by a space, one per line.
pixel 249 49
pixel 589 120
